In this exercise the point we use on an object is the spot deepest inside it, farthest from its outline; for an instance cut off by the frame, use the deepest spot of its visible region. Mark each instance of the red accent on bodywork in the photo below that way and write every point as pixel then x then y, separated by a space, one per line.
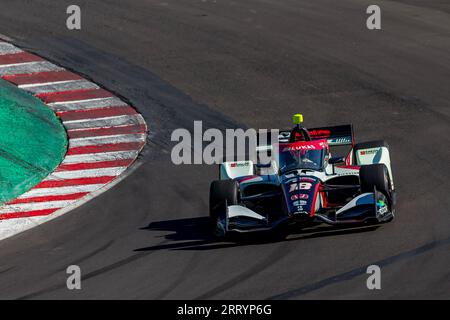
pixel 348 160
pixel 304 145
pixel 243 179
pixel 349 167
pixel 320 133
pixel 324 199
pixel 316 194
pixel 326 204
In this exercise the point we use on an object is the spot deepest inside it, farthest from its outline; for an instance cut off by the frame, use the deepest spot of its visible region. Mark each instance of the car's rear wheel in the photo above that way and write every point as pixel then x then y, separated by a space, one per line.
pixel 222 193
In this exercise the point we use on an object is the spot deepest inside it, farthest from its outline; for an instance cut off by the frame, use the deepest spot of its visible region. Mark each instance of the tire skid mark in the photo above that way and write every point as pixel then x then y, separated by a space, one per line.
pixel 94 273
pixel 346 276
pixel 278 253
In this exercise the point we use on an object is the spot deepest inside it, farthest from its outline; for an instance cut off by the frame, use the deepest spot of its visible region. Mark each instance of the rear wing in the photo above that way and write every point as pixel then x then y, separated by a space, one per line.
pixel 336 136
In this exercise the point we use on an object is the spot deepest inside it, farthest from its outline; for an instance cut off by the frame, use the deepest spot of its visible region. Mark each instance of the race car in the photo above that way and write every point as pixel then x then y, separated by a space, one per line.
pixel 304 184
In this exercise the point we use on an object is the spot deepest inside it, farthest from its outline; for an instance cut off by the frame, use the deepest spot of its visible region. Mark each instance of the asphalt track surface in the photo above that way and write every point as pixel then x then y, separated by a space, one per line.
pixel 246 64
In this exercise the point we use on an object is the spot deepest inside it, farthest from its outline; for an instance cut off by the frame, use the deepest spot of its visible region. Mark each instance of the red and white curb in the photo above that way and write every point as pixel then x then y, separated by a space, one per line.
pixel 105 136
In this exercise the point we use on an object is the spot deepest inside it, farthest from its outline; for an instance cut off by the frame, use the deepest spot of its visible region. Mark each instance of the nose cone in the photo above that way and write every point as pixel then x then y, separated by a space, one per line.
pixel 300 194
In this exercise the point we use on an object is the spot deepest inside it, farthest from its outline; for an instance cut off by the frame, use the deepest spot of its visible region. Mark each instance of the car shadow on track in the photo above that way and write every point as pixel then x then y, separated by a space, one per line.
pixel 194 234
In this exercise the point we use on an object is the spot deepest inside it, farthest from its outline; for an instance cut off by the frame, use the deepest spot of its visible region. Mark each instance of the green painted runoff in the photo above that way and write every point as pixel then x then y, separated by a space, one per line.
pixel 32 141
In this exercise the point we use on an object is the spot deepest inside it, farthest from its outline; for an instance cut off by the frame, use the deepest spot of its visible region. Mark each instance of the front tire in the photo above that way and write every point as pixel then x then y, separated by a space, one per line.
pixel 375 175
pixel 222 193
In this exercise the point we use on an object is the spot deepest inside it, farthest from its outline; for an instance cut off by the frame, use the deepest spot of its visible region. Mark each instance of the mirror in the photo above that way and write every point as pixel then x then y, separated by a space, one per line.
pixel 336 160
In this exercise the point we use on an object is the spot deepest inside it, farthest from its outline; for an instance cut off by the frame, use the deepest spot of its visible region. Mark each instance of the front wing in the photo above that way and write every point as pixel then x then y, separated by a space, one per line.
pixel 371 207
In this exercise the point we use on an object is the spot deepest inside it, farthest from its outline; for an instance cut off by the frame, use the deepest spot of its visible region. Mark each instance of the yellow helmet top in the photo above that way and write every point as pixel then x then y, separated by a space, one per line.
pixel 297 118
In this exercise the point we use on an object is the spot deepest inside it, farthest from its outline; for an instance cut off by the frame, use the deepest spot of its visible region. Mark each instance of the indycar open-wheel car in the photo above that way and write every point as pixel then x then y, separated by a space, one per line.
pixel 304 184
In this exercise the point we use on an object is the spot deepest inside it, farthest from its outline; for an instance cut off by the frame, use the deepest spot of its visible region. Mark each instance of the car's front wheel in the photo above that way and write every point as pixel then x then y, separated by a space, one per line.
pixel 222 193
pixel 375 175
